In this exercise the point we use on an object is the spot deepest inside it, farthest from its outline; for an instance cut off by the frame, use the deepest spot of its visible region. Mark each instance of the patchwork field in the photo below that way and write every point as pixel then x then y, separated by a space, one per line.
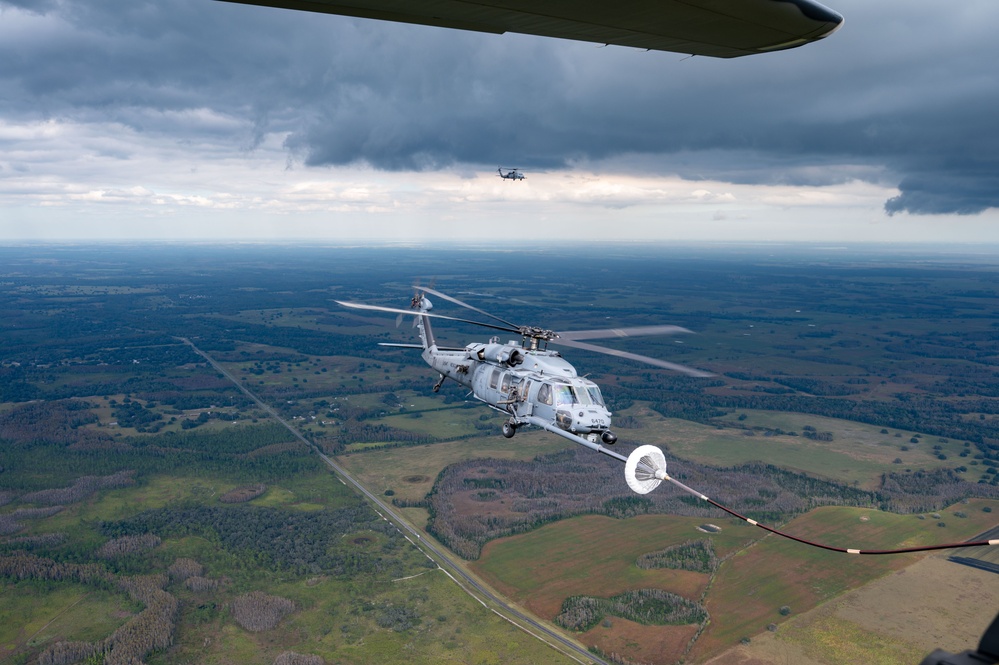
pixel 595 556
pixel 934 604
pixel 751 587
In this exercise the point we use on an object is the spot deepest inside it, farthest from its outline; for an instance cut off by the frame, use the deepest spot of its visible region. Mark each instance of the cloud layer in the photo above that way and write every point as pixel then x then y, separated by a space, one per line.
pixel 903 96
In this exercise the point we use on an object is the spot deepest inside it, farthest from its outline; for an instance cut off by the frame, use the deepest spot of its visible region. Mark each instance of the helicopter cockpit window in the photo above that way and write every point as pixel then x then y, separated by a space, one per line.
pixel 580 393
pixel 594 393
pixel 564 395
pixel 545 394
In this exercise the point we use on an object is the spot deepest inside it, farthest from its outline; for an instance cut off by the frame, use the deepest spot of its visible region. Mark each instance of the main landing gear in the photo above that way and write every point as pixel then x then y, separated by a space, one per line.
pixel 509 429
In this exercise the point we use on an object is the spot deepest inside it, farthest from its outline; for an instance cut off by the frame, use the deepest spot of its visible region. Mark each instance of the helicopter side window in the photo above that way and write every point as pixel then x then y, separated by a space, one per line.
pixel 494 379
pixel 545 394
pixel 506 383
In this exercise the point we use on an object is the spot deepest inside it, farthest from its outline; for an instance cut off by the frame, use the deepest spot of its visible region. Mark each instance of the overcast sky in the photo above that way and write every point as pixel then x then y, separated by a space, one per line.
pixel 197 119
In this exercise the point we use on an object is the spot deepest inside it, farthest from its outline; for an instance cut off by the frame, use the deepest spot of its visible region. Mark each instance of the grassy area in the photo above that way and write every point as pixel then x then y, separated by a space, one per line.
pixel 440 423
pixel 857 455
pixel 410 471
pixel 846 642
pixel 154 492
pixel 595 556
pixel 939 605
pixel 35 615
pixel 349 621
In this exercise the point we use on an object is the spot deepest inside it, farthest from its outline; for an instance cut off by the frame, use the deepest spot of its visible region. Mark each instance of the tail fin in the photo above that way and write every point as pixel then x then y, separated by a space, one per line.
pixel 421 303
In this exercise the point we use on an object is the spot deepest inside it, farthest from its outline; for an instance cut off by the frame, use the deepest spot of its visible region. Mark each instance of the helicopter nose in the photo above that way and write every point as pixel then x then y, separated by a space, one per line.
pixel 588 420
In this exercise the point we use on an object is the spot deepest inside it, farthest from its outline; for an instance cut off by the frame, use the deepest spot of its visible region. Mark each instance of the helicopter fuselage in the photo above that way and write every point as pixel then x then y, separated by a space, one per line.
pixel 523 379
pixel 525 382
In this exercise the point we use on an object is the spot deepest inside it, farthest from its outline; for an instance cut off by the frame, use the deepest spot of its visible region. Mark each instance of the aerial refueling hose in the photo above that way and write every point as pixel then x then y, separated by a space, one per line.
pixel 645 468
pixel 844 550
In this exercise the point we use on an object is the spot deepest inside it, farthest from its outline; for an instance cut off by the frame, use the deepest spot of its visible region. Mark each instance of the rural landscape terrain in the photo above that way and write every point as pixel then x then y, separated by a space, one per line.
pixel 181 427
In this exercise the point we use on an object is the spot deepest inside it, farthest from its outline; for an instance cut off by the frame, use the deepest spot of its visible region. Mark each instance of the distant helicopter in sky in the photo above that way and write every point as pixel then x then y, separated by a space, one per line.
pixel 511 174
pixel 523 379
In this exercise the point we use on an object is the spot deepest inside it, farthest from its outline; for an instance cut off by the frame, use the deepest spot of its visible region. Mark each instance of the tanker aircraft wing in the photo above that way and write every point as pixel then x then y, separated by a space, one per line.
pixel 717 28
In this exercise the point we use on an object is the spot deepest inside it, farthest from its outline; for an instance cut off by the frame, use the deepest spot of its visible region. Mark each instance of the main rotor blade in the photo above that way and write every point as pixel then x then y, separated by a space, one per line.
pixel 416 312
pixel 683 369
pixel 466 305
pixel 622 332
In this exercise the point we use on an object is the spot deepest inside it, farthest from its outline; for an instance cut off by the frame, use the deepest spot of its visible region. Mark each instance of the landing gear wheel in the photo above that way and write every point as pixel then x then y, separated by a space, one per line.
pixel 509 430
pixel 437 386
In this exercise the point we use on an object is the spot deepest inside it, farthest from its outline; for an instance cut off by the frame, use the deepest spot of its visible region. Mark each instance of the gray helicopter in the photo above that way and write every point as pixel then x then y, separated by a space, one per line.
pixel 512 174
pixel 524 379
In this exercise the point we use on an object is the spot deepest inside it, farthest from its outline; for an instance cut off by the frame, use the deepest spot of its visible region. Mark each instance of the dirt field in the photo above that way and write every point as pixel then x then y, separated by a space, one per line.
pixel 592 556
pixel 639 644
pixel 751 587
pixel 899 618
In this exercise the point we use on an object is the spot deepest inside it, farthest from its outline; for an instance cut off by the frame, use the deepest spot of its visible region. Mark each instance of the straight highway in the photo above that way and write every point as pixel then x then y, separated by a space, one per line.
pixel 436 554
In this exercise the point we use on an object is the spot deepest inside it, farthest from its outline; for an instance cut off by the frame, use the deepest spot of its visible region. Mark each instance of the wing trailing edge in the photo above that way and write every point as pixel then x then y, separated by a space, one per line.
pixel 715 28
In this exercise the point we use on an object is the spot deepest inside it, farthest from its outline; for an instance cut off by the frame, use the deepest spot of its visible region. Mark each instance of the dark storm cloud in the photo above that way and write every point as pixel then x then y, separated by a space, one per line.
pixel 904 94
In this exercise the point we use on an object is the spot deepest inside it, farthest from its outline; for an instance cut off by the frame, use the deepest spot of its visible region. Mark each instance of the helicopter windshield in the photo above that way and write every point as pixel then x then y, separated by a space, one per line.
pixel 594 394
pixel 583 393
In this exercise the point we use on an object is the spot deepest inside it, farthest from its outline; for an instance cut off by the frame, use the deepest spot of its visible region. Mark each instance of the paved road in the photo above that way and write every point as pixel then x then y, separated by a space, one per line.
pixel 443 559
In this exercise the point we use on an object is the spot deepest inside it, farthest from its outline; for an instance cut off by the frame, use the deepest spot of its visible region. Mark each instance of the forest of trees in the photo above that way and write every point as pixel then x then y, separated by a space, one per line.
pixel 652 607
pixel 256 611
pixel 270 538
pixel 46 450
pixel 694 555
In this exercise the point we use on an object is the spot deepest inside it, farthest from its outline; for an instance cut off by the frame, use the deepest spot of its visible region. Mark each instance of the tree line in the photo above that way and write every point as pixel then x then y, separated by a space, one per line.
pixel 41 453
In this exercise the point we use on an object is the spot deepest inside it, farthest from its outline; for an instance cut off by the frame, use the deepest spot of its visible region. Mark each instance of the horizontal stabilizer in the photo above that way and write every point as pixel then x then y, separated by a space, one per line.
pixel 419 346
